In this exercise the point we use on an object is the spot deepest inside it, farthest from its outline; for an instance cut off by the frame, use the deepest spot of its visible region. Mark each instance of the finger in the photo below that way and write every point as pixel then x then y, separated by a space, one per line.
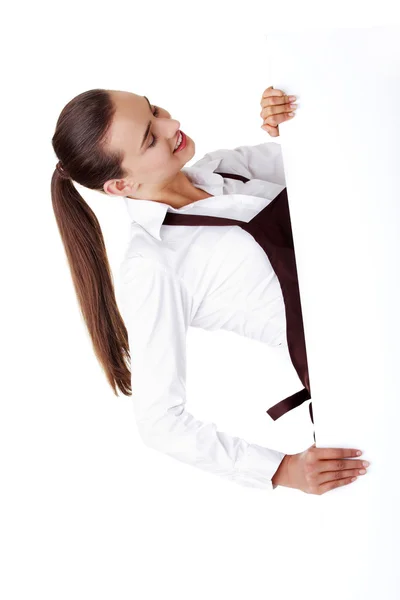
pixel 276 110
pixel 276 120
pixel 330 485
pixel 337 475
pixel 273 131
pixel 327 453
pixel 276 104
pixel 271 92
pixel 274 99
pixel 340 464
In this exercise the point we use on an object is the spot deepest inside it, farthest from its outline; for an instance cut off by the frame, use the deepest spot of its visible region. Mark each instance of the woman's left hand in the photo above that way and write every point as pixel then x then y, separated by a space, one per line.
pixel 276 108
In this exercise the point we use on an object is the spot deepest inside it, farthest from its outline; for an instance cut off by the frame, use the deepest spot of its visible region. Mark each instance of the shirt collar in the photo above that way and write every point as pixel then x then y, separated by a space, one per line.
pixel 150 214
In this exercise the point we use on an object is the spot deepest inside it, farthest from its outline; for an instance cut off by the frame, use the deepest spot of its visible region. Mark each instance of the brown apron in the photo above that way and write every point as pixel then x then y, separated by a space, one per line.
pixel 271 228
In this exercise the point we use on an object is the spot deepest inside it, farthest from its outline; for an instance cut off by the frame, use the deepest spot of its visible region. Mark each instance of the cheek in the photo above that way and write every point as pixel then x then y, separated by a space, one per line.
pixel 161 160
pixel 163 155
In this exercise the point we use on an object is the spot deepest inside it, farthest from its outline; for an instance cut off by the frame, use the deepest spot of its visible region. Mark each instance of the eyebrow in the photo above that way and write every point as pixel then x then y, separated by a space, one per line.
pixel 146 133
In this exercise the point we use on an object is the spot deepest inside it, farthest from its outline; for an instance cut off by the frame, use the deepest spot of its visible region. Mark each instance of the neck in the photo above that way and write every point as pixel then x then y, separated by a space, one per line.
pixel 178 193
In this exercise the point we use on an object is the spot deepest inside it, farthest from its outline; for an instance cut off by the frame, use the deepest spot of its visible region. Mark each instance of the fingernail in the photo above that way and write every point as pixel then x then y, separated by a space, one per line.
pixel 292 98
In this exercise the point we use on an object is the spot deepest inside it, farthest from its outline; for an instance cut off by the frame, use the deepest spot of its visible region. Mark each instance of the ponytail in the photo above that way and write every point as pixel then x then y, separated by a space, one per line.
pixel 88 115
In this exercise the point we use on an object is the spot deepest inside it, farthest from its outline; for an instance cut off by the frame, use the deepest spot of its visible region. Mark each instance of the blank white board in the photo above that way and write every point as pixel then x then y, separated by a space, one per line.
pixel 342 163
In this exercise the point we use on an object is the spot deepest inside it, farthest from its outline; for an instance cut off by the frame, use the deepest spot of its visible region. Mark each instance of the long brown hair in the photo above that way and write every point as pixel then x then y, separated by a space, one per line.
pixel 79 142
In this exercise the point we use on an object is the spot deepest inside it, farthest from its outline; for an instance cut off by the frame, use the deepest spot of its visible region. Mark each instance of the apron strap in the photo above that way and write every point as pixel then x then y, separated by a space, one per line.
pixel 289 403
pixel 233 176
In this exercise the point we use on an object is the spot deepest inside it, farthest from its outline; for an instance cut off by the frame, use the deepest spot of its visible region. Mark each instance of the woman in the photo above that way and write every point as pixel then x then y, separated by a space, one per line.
pixel 174 277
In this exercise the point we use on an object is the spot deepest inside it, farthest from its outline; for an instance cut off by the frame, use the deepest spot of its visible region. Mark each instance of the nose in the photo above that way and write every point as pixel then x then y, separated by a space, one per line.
pixel 169 130
pixel 175 127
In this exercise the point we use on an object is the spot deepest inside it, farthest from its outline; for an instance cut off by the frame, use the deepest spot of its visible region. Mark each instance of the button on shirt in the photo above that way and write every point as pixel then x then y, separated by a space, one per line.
pixel 212 277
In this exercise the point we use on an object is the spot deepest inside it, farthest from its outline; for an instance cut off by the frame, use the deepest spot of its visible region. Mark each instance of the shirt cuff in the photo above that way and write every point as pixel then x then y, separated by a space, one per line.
pixel 258 465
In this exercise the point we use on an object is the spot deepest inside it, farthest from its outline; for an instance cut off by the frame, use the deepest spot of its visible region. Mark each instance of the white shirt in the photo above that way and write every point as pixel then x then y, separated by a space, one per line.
pixel 212 277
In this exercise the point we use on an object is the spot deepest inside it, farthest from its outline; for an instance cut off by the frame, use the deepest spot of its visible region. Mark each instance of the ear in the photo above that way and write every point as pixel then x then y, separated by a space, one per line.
pixel 119 187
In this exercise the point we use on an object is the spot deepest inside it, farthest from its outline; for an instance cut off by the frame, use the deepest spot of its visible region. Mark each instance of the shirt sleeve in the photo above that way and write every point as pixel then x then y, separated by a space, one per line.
pixel 156 309
pixel 261 161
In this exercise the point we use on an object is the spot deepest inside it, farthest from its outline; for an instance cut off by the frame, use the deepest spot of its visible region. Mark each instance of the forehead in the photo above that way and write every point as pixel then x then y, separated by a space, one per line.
pixel 130 119
pixel 129 106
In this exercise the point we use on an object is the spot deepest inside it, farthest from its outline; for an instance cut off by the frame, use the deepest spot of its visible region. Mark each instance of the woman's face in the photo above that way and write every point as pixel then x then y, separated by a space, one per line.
pixel 151 162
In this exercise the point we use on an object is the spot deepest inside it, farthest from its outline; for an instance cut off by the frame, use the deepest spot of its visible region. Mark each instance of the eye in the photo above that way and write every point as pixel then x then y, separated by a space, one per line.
pixel 155 138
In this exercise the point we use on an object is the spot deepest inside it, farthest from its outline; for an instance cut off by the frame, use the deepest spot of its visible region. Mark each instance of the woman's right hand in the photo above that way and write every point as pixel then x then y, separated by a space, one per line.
pixel 276 108
pixel 318 470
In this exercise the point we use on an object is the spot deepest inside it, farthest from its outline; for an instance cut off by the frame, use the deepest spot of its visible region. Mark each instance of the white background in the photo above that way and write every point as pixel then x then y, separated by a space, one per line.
pixel 87 511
